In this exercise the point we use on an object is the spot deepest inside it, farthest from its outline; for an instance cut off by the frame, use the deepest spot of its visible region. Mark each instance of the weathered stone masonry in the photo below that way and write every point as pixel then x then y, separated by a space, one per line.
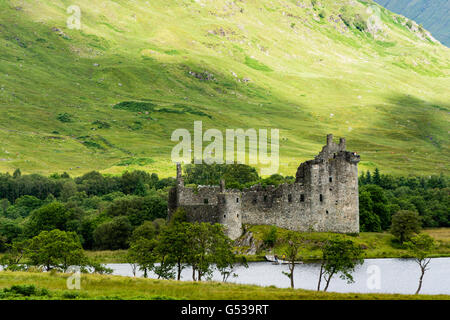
pixel 323 198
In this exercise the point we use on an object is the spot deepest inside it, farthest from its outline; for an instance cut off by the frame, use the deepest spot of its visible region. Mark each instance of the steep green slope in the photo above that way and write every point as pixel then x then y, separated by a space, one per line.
pixel 306 69
pixel 432 14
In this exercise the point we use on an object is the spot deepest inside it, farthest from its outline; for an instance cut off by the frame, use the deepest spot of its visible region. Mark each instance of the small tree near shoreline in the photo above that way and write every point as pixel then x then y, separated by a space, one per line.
pixel 339 256
pixel 420 247
pixel 293 241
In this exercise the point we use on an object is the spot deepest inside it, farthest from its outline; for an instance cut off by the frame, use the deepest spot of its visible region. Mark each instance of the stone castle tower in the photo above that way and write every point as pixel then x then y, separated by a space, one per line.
pixel 323 198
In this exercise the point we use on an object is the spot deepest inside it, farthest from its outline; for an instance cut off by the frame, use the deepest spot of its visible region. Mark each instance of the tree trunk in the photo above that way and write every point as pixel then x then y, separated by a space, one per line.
pixel 179 271
pixel 193 273
pixel 328 281
pixel 320 277
pixel 420 280
pixel 292 274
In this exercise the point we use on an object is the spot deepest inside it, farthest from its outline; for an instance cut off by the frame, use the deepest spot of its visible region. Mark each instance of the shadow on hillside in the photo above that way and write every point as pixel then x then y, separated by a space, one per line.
pixel 410 118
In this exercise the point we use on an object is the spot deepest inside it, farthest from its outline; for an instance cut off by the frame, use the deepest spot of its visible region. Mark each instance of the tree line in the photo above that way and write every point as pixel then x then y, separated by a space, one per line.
pixel 105 210
pixel 381 196
pixel 165 250
pixel 169 250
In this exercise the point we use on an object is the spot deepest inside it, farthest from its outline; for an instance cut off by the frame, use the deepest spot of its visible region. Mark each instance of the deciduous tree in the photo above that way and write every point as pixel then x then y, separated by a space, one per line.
pixel 56 249
pixel 404 224
pixel 420 246
pixel 339 256
pixel 293 243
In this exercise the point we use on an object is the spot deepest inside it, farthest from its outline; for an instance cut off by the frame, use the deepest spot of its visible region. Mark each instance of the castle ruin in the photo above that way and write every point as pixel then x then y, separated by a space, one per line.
pixel 324 198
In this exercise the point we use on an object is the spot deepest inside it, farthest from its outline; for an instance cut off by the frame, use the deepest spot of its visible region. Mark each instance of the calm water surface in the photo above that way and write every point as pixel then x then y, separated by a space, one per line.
pixel 374 276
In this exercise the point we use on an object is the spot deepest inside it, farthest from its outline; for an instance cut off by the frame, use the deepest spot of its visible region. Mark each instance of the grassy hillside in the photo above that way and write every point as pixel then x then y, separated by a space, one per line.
pixel 432 14
pixel 112 288
pixel 306 69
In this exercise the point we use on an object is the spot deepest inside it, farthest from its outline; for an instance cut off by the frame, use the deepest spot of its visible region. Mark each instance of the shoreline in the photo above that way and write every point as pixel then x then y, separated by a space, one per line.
pixel 249 258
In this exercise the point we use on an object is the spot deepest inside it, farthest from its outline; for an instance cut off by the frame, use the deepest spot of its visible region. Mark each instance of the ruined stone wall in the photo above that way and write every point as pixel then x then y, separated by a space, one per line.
pixel 210 204
pixel 200 204
pixel 202 213
pixel 287 206
pixel 323 198
pixel 200 196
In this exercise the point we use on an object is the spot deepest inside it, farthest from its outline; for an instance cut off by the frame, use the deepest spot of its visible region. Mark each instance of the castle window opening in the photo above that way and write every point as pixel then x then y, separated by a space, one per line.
pixel 224 215
pixel 265 198
pixel 302 198
pixel 205 201
pixel 237 215
pixel 237 200
pixel 321 198
pixel 327 211
pixel 331 179
pixel 290 197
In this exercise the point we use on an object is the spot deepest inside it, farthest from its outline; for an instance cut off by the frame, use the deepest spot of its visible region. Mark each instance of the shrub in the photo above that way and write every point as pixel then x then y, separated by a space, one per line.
pixel 55 249
pixel 51 216
pixel 360 23
pixel 113 235
pixel 139 209
pixel 25 290
pixel 346 18
pixel 70 295
pixel 409 24
pixel 135 106
pixel 101 124
pixel 64 117
pixel 270 237
pixel 405 224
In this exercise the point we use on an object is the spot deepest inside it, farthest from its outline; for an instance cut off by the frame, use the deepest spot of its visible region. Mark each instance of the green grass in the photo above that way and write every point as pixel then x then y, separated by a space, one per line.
pixel 255 64
pixel 95 287
pixel 307 80
pixel 108 256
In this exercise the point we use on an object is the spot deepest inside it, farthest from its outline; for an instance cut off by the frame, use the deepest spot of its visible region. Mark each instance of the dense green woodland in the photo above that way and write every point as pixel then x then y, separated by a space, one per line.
pixel 105 210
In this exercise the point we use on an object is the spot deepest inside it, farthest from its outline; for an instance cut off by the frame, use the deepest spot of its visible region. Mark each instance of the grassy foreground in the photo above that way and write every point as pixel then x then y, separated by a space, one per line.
pixel 53 286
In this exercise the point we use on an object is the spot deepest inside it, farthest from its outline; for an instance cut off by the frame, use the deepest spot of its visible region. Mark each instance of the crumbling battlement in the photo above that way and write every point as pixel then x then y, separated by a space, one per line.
pixel 323 198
